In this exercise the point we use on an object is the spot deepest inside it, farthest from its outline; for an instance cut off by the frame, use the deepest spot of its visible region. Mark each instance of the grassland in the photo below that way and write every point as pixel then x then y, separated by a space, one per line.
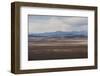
pixel 57 48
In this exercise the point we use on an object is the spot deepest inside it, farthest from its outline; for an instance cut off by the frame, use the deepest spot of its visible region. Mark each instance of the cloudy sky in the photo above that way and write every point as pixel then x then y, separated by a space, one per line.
pixel 40 24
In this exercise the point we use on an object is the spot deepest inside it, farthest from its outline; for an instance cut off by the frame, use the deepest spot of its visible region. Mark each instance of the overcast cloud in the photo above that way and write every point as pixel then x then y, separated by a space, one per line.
pixel 39 24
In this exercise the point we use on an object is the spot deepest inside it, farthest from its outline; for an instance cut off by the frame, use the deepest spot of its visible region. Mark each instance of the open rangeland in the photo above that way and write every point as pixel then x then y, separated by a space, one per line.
pixel 55 48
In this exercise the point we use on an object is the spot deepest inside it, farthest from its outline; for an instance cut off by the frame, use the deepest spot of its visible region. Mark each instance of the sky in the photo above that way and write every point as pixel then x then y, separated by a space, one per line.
pixel 42 23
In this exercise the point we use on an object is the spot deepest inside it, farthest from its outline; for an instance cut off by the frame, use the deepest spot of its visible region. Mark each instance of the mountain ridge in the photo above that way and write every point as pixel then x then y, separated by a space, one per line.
pixel 60 34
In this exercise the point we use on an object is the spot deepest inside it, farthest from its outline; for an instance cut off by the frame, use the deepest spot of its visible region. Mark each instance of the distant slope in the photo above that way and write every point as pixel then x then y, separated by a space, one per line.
pixel 57 34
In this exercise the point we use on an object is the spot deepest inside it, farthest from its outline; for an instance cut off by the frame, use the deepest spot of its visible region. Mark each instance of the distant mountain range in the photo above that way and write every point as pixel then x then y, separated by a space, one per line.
pixel 72 34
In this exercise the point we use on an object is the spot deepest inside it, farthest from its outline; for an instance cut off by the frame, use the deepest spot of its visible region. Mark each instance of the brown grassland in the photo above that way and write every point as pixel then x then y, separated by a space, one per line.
pixel 67 48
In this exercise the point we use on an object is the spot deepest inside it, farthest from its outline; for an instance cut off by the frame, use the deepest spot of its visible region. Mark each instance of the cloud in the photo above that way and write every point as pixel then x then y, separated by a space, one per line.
pixel 75 20
pixel 54 23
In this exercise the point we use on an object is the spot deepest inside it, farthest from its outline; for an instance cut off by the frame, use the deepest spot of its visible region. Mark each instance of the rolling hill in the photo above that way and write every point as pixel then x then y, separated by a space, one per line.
pixel 58 34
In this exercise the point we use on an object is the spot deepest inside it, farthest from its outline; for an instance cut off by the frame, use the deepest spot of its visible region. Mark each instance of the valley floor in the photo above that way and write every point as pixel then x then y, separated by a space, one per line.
pixel 57 49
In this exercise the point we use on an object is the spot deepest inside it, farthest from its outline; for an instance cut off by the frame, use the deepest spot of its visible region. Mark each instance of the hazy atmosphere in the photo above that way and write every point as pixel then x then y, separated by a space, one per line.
pixel 38 24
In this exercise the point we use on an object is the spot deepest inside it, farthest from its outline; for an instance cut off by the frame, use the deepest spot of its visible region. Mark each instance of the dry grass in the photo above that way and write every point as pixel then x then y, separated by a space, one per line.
pixel 57 49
